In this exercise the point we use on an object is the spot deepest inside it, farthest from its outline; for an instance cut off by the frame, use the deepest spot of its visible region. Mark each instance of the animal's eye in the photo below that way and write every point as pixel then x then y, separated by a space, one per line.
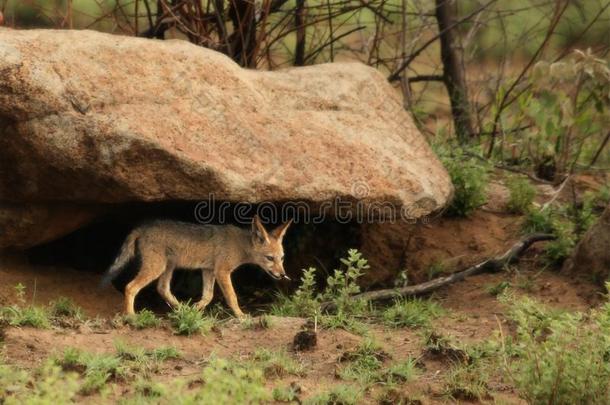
pixel 270 258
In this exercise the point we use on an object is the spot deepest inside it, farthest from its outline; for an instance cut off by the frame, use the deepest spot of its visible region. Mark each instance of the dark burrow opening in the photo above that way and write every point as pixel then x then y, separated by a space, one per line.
pixel 93 248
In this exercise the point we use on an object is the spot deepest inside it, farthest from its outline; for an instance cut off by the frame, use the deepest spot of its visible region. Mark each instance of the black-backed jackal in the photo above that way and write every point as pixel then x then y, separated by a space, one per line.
pixel 215 250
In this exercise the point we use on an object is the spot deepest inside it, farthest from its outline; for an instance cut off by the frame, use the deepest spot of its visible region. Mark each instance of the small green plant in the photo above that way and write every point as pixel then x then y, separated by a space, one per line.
pixel 277 364
pixel 436 269
pixel 522 195
pixel 363 364
pixel 65 307
pixel 526 283
pixel 498 288
pixel 143 319
pixel 137 360
pixel 402 372
pixel 441 346
pixel 402 279
pixel 165 353
pixel 341 286
pixel 227 382
pixel 411 313
pixel 288 393
pixel 338 395
pixel 341 308
pixel 262 322
pixel 469 177
pixel 304 302
pixel 25 315
pixel 33 316
pixel 97 369
pixel 393 395
pixel 150 389
pixel 467 383
pixel 186 319
pixel 46 385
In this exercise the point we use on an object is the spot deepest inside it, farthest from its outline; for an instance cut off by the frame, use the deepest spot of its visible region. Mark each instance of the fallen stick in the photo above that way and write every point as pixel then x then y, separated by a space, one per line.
pixel 493 264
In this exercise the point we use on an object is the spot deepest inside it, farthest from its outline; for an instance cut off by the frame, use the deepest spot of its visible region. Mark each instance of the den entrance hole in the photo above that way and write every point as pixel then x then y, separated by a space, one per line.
pixel 94 247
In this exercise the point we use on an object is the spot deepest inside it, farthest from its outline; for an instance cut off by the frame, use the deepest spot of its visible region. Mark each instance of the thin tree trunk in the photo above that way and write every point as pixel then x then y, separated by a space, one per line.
pixel 453 74
pixel 243 39
pixel 299 23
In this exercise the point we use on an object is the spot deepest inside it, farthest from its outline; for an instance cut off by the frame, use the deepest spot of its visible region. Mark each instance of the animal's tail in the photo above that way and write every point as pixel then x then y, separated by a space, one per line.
pixel 125 255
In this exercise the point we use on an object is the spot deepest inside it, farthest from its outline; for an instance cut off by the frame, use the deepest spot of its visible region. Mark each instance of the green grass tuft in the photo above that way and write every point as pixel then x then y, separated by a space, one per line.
pixel 186 319
pixel 411 313
pixel 143 320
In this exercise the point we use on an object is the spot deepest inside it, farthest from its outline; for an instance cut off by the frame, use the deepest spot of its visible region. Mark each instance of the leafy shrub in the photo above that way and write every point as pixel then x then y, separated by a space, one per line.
pixel 566 106
pixel 469 177
pixel 559 357
pixel 186 319
pixel 338 294
pixel 411 313
pixel 565 222
pixel 522 195
pixel 539 221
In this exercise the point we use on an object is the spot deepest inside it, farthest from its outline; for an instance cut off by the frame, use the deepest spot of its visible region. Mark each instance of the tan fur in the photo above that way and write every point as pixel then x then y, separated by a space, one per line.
pixel 215 250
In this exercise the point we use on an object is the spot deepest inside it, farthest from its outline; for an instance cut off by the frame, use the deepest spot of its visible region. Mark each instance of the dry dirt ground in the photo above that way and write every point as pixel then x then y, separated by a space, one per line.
pixel 472 314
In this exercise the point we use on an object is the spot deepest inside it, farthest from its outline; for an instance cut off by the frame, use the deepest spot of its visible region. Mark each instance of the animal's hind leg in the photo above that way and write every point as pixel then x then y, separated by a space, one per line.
pixel 153 265
pixel 209 279
pixel 163 286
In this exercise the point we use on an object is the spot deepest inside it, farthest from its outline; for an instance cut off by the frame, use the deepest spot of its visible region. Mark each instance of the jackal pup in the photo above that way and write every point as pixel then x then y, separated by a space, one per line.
pixel 215 250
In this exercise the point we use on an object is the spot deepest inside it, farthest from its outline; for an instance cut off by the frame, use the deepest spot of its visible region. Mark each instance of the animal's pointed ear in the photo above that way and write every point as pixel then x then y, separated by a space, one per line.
pixel 259 234
pixel 279 232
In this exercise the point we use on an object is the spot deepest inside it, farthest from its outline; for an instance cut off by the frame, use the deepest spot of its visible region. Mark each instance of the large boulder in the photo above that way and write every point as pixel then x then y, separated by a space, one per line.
pixel 89 119
pixel 592 254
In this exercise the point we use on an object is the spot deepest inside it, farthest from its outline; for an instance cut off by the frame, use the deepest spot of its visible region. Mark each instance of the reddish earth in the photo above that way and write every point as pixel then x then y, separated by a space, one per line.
pixel 473 314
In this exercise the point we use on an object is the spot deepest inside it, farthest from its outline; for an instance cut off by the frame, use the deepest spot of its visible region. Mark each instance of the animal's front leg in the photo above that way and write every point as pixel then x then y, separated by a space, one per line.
pixel 209 279
pixel 224 281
